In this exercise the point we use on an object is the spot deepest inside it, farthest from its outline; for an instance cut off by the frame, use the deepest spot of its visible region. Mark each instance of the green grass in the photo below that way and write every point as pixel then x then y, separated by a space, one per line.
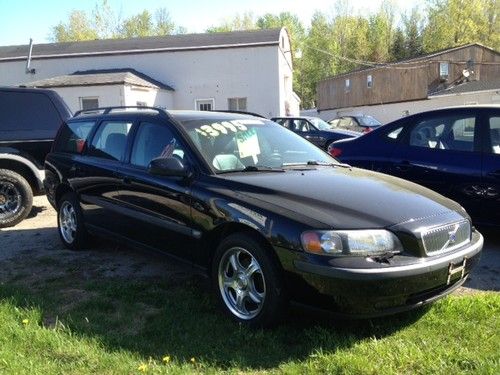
pixel 115 326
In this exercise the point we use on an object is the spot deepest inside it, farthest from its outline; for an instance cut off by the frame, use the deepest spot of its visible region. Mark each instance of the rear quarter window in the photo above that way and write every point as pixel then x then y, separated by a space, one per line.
pixel 27 115
pixel 73 136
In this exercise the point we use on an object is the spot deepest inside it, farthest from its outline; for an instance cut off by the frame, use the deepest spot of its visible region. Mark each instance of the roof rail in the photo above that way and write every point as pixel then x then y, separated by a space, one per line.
pixel 240 112
pixel 106 110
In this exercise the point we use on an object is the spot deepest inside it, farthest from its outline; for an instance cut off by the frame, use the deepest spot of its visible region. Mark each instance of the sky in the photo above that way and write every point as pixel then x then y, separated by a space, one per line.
pixel 21 20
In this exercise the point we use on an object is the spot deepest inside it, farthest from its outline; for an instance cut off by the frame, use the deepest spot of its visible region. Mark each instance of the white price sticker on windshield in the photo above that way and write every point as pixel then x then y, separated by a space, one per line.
pixel 248 143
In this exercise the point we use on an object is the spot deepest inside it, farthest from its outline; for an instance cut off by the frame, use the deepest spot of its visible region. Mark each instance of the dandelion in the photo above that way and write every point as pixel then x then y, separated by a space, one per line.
pixel 193 360
pixel 166 359
pixel 25 321
pixel 143 367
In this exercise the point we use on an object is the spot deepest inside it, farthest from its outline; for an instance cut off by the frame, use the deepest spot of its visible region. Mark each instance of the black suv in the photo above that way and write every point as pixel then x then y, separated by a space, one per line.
pixel 268 215
pixel 29 120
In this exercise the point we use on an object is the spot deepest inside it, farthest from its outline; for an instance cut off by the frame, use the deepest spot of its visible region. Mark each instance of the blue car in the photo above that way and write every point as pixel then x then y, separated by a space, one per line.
pixel 453 151
pixel 315 130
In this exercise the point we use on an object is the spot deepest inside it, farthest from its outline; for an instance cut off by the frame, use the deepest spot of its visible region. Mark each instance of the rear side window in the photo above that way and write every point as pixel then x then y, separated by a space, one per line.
pixel 495 134
pixel 110 140
pixel 73 137
pixel 445 133
pixel 27 114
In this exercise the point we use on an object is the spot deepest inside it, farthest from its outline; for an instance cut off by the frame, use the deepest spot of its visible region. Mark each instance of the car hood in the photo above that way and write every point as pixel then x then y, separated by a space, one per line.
pixel 343 198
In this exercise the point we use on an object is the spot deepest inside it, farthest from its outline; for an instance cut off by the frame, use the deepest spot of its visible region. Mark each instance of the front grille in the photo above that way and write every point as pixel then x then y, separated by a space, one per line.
pixel 447 237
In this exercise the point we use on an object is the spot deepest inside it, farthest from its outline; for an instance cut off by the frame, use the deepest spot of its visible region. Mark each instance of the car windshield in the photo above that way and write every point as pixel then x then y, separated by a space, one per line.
pixel 251 144
pixel 320 124
pixel 368 121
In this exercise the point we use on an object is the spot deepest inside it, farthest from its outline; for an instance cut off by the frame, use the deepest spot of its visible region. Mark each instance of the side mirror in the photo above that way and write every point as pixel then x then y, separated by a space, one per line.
pixel 168 167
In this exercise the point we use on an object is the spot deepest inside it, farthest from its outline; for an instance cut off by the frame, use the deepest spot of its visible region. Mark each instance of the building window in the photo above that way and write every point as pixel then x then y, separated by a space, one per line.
pixel 89 103
pixel 347 84
pixel 237 104
pixel 141 104
pixel 444 68
pixel 369 81
pixel 205 104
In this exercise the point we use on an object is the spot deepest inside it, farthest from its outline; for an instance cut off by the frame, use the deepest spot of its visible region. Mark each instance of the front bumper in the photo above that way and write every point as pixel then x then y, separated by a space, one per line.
pixel 385 289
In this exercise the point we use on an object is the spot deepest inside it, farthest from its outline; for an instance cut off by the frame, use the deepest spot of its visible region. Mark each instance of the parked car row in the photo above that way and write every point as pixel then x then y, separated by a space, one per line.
pixel 315 130
pixel 269 216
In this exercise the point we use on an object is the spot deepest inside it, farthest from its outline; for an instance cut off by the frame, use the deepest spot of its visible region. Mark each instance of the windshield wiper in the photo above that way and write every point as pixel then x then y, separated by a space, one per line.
pixel 259 168
pixel 320 163
pixel 253 168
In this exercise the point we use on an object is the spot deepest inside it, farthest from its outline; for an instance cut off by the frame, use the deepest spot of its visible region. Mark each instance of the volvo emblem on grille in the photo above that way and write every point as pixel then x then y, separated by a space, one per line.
pixel 452 236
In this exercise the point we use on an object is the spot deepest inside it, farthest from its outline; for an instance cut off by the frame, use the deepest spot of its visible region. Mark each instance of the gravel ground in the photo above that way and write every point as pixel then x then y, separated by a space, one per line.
pixel 32 248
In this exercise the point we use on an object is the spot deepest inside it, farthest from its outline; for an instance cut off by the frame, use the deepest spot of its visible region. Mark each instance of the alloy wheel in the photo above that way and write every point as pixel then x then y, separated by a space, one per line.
pixel 67 222
pixel 10 199
pixel 241 283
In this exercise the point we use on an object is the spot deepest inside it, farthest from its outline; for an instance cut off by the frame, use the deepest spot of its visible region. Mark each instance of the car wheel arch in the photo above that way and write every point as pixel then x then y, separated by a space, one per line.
pixel 214 238
pixel 61 190
pixel 23 169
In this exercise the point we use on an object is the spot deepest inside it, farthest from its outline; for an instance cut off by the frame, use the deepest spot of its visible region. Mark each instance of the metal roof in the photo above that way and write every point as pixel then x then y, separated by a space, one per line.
pixel 410 61
pixel 466 87
pixel 101 77
pixel 165 43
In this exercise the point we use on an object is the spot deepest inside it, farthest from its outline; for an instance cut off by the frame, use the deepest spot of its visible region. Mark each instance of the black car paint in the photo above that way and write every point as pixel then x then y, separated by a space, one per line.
pixel 470 178
pixel 188 216
pixel 30 145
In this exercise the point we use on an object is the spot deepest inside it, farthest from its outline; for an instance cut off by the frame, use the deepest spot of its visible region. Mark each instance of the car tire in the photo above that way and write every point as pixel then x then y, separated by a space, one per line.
pixel 16 198
pixel 70 223
pixel 247 281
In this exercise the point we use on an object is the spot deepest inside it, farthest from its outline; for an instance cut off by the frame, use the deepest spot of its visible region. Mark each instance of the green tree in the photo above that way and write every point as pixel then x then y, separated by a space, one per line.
pixel 78 27
pixel 103 23
pixel 413 33
pixel 381 33
pixel 398 47
pixel 316 63
pixel 245 21
pixel 284 19
pixel 164 24
pixel 457 22
pixel 140 25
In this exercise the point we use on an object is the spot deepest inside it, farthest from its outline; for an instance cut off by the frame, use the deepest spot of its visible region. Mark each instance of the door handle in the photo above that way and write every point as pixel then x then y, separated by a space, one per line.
pixel 403 166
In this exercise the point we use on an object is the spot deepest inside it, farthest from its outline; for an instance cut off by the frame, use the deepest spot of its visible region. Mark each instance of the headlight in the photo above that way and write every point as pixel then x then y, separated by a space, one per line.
pixel 350 242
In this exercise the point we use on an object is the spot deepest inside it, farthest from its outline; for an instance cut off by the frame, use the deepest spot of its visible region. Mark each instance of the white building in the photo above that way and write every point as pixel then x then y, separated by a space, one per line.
pixel 243 70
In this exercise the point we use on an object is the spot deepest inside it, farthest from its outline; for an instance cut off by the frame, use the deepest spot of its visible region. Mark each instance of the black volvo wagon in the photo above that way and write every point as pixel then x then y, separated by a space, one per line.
pixel 269 216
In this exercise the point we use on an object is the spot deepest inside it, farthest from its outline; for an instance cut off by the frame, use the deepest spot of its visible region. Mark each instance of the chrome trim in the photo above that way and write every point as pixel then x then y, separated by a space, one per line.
pixel 27 141
pixel 426 265
pixel 444 249
pixel 39 173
